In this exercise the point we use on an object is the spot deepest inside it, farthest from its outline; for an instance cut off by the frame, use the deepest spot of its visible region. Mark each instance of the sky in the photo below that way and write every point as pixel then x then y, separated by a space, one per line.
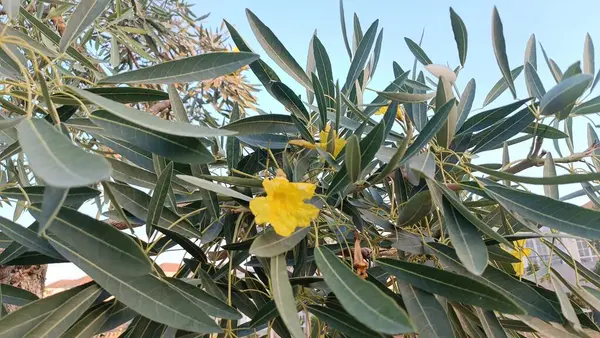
pixel 560 26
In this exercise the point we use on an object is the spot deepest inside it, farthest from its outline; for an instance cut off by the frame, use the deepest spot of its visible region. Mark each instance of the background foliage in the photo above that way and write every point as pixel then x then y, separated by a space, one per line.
pixel 118 103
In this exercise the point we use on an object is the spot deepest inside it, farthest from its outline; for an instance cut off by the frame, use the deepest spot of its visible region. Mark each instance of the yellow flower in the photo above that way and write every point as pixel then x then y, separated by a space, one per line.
pixel 520 252
pixel 235 50
pixel 284 207
pixel 399 112
pixel 339 142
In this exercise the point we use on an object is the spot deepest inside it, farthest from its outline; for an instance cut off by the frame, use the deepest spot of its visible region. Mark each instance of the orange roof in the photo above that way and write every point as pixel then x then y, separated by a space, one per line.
pixel 590 205
pixel 169 267
pixel 68 283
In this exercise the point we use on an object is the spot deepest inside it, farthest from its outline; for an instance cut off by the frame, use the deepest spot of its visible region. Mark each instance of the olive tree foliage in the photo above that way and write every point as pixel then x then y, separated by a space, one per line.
pixel 115 102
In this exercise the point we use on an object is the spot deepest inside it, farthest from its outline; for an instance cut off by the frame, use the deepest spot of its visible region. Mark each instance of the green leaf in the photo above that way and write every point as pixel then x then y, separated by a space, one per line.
pixel 133 175
pixel 588 55
pixel 26 237
pixel 344 34
pixel 118 94
pixel 550 190
pixel 263 124
pixel 69 167
pixel 417 207
pixel 311 67
pixel 192 69
pixel 90 322
pixel 270 244
pixel 564 94
pixel 99 242
pixel 16 296
pixel 573 69
pixel 489 117
pixel 544 131
pixel 323 64
pixel 426 312
pixel 363 300
pixel 501 86
pixel 159 195
pixel 136 202
pixel 353 158
pixel 565 303
pixel 589 107
pixel 17 323
pixel 286 96
pixel 321 101
pixel 450 285
pixel 418 52
pixel 465 239
pixel 490 323
pixel 402 97
pixel 500 51
pixel 546 180
pixel 443 95
pixel 535 87
pixel 503 130
pixel 66 314
pixel 360 57
pixel 150 121
pixel 546 211
pixel 11 7
pixel 176 148
pixel 393 162
pixel 52 201
pixel 276 51
pixel 394 86
pixel 546 329
pixel 342 322
pixel 83 17
pixel 160 166
pixel 281 291
pixel 211 186
pixel 460 36
pixel 531 52
pixel 10 123
pixel 465 104
pixel 263 72
pixel 431 128
pixel 210 304
pixel 148 295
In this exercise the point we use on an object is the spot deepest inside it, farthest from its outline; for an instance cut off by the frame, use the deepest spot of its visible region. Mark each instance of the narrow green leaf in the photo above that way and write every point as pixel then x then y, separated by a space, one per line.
pixel 211 305
pixel 321 101
pixel 426 312
pixel 565 303
pixel 380 100
pixel 490 323
pixel 593 140
pixel 503 130
pixel 69 167
pixel 500 51
pixel 465 238
pixel 284 297
pixel 90 322
pixel 177 105
pixel 52 202
pixel 325 73
pixel 148 120
pixel 531 52
pixel 176 148
pixel 489 117
pixel 402 97
pixel 546 180
pixel 192 69
pixel 17 323
pixel 211 186
pixel 11 7
pixel 363 300
pixel 460 36
pixel 501 86
pixel 376 53
pixel 573 69
pixel 157 202
pixel 118 94
pixel 465 104
pixel 546 211
pixel 588 55
pixel 393 162
pixel 99 241
pixel 353 158
pixel 546 329
pixel 83 17
pixel 270 244
pixel 148 295
pixel 443 95
pixel 133 175
pixel 535 87
pixel 26 237
pixel 589 107
pixel 311 67
pixel 342 322
pixel 550 190
pixel 66 314
pixel 453 286
pixel 10 123
pixel 160 166
pixel 431 128
pixel 556 72
pixel 263 124
pixel 418 52
pixel 136 202
pixel 415 209
pixel 286 96
pixel 344 34
pixel 359 60
pixel 276 51
pixel 564 94
pixel 16 296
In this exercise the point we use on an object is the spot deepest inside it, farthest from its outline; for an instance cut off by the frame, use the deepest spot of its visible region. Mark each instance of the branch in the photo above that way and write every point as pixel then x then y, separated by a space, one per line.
pixel 538 160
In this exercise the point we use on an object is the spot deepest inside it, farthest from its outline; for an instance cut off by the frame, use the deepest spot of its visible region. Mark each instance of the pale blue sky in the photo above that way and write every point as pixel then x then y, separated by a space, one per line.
pixel 560 26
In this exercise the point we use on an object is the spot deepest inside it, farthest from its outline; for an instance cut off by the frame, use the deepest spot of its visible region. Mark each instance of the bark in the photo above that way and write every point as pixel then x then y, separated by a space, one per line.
pixel 27 277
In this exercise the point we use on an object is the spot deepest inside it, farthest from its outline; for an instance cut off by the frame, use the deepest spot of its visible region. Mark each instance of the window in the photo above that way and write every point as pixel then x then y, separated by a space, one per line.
pixel 586 254
pixel 540 253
